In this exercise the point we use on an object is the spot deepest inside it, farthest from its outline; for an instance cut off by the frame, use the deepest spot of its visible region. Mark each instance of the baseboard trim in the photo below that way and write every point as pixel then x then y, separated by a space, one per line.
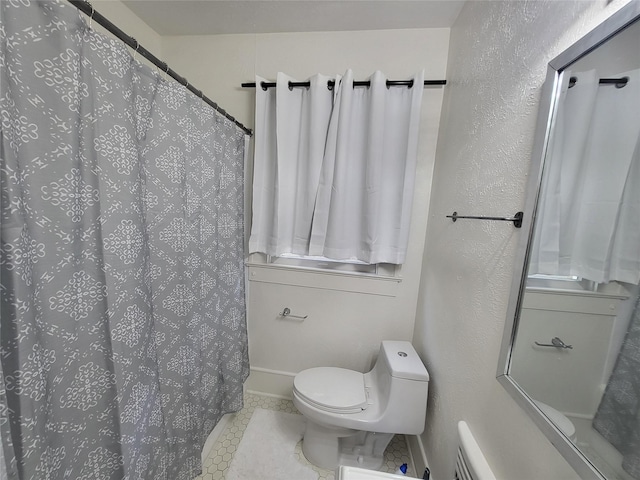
pixel 270 395
pixel 274 383
pixel 418 455
pixel 581 416
pixel 215 433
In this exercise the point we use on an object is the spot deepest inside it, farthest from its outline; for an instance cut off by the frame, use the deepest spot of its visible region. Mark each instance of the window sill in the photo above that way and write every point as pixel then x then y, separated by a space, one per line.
pixel 353 282
pixel 576 287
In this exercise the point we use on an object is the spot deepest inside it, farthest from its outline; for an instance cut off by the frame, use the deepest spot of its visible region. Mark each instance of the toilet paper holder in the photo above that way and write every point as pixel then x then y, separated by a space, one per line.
pixel 287 313
pixel 555 342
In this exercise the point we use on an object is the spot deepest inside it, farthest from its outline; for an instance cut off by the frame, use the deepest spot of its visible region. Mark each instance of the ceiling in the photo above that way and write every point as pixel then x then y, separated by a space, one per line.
pixel 214 17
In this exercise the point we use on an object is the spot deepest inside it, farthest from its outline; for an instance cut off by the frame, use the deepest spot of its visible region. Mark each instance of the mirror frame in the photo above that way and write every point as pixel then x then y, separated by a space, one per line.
pixel 544 126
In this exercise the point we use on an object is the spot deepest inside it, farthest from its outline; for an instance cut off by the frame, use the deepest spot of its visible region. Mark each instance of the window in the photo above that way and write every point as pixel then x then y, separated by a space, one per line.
pixel 562 282
pixel 323 263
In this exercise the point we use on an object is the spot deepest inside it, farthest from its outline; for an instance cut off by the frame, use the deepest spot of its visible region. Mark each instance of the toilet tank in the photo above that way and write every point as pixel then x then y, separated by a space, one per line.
pixel 401 381
pixel 402 361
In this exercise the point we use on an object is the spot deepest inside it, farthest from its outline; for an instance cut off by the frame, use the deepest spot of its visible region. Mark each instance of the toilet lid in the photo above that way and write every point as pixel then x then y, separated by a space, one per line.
pixel 562 422
pixel 332 389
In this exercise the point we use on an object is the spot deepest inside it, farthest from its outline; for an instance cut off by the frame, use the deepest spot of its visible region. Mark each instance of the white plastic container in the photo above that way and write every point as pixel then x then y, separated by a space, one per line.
pixel 354 473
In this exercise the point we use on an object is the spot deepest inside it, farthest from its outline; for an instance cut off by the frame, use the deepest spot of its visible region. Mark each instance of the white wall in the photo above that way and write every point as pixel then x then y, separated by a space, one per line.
pixel 497 64
pixel 348 317
pixel 129 23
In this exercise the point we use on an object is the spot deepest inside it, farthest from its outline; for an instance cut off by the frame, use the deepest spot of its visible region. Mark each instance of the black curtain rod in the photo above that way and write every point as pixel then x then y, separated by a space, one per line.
pixel 332 83
pixel 86 8
pixel 618 82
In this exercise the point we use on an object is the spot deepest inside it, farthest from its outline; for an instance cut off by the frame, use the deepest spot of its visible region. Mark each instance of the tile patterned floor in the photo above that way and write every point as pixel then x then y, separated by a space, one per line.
pixel 219 460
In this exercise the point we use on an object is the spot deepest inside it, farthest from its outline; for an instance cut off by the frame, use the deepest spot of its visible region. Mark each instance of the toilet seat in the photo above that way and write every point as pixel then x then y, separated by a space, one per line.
pixel 332 389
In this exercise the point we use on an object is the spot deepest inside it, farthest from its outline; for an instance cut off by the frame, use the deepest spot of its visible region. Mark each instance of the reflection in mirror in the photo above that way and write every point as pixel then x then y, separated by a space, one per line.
pixel 575 350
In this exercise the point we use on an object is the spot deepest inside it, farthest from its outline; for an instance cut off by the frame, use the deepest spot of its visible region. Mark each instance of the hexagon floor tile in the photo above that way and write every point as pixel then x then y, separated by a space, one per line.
pixel 219 459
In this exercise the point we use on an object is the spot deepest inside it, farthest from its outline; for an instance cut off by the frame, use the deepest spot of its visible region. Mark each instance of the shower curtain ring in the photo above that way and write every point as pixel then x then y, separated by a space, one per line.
pixel 165 70
pixel 91 16
pixel 135 53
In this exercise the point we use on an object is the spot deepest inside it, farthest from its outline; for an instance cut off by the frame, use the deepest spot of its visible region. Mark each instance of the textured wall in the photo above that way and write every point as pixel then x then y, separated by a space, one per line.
pixel 497 64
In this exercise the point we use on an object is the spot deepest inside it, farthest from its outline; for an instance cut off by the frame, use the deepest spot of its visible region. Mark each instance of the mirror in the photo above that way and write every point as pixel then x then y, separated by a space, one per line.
pixel 571 349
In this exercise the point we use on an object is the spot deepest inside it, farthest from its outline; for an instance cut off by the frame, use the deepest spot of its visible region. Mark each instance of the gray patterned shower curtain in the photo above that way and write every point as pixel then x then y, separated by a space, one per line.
pixel 618 416
pixel 123 333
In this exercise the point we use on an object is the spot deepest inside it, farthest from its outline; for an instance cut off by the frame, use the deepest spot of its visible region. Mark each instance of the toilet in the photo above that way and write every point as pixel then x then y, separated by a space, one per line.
pixel 351 417
pixel 559 419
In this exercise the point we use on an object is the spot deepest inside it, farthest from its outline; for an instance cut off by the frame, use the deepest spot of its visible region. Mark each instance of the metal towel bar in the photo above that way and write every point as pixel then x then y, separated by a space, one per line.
pixel 516 219
pixel 287 313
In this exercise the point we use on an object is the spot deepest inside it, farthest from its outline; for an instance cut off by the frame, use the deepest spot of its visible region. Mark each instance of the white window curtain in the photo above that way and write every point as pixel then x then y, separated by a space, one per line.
pixel 340 169
pixel 364 199
pixel 563 172
pixel 589 218
pixel 264 226
pixel 290 134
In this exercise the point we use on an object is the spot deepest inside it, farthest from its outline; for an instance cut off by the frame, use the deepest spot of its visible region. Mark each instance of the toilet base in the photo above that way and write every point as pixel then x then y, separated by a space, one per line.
pixel 365 449
pixel 328 447
pixel 321 445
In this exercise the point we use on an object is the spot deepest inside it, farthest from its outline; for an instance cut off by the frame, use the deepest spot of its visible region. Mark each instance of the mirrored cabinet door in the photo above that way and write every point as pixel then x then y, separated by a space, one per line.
pixel 571 354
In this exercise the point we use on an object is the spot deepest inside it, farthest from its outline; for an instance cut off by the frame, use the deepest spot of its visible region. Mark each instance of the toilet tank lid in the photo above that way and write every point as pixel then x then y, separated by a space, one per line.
pixel 403 360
